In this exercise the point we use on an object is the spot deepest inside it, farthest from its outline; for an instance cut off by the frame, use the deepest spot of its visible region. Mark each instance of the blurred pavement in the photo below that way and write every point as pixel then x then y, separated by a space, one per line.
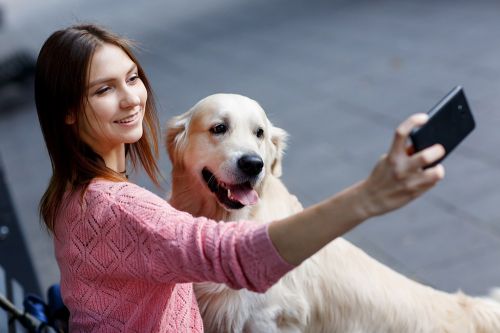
pixel 338 76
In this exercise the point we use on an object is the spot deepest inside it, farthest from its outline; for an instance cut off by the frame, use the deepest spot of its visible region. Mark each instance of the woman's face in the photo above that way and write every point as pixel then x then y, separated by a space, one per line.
pixel 116 100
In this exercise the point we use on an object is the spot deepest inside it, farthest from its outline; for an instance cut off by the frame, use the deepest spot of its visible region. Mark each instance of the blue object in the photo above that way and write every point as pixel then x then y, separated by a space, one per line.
pixel 52 316
pixel 56 307
pixel 36 307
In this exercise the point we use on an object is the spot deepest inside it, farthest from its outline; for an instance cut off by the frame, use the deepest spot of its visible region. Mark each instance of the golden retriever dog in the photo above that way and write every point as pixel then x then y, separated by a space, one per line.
pixel 226 157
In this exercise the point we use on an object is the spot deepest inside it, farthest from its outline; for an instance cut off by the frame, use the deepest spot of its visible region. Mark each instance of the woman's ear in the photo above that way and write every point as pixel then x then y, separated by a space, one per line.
pixel 70 118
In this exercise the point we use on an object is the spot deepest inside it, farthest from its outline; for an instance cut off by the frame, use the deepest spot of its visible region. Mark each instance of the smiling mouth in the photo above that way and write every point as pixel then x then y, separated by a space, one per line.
pixel 128 119
pixel 231 196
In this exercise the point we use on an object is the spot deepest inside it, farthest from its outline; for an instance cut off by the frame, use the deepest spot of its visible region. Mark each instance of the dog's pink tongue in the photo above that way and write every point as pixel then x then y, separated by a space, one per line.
pixel 245 196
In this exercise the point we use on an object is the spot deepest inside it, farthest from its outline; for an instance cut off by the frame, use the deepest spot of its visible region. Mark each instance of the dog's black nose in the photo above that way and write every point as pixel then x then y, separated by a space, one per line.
pixel 251 165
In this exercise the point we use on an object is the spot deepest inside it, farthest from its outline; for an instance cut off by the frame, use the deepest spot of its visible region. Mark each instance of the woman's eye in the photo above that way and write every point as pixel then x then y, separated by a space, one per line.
pixel 260 133
pixel 133 78
pixel 219 129
pixel 102 90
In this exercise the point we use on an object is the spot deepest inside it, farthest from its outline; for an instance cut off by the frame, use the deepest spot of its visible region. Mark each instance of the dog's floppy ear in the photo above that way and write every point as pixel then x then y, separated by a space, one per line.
pixel 177 128
pixel 278 139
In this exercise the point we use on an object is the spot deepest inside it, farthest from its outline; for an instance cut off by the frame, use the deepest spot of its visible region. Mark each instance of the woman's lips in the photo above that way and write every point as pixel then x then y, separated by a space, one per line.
pixel 128 120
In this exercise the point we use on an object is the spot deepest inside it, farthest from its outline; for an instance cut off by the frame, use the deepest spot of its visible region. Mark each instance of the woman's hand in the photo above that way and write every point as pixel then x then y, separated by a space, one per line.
pixel 400 177
pixel 396 179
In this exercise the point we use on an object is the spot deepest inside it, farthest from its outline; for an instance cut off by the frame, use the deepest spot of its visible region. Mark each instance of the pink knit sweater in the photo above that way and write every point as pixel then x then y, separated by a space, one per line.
pixel 128 260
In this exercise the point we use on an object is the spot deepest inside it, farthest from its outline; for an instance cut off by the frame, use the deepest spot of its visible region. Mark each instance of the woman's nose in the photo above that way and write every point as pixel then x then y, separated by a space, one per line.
pixel 129 98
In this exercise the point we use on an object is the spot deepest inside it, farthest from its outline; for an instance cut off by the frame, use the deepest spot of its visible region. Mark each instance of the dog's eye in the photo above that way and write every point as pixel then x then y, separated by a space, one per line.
pixel 260 133
pixel 219 129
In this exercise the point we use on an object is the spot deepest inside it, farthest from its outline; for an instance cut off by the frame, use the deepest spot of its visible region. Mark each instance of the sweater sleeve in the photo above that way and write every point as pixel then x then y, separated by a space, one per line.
pixel 175 247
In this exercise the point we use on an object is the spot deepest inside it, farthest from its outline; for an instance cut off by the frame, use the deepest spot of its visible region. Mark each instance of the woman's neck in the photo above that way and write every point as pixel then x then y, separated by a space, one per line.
pixel 115 159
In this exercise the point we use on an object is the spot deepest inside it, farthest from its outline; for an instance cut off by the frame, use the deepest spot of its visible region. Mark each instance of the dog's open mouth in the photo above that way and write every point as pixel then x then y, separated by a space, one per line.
pixel 232 196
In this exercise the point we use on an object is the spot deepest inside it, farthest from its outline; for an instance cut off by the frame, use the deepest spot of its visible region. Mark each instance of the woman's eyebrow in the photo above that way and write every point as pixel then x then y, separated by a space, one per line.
pixel 133 68
pixel 99 81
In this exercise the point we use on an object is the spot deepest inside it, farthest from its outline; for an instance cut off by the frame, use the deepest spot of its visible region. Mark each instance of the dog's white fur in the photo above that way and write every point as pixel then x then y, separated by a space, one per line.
pixel 339 289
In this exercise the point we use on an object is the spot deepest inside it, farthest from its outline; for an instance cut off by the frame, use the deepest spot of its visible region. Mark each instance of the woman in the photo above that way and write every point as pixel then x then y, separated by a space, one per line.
pixel 127 258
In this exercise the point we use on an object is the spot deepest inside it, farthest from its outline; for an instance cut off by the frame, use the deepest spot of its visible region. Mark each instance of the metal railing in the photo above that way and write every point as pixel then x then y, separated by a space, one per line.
pixel 20 312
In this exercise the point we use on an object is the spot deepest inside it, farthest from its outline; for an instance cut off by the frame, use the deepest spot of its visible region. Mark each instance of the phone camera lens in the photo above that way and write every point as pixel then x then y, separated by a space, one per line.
pixel 461 110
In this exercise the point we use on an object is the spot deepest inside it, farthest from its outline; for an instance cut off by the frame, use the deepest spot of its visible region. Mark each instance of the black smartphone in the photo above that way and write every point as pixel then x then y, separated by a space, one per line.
pixel 450 121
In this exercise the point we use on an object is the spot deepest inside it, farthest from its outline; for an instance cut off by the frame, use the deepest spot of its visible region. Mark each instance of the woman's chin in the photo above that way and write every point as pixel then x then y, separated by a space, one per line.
pixel 134 137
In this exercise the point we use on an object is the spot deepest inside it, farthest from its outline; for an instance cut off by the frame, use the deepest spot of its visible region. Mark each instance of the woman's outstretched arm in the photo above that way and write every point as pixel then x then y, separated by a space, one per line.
pixel 396 179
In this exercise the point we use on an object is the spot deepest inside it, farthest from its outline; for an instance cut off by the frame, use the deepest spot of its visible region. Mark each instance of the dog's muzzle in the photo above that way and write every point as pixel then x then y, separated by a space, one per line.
pixel 241 194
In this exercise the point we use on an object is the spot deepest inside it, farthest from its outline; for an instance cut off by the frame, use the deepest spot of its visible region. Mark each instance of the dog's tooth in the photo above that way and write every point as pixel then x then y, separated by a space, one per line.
pixel 229 193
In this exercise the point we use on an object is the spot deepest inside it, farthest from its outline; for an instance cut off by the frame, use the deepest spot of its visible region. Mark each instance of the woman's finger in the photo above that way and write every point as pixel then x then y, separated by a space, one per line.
pixel 404 130
pixel 428 178
pixel 425 157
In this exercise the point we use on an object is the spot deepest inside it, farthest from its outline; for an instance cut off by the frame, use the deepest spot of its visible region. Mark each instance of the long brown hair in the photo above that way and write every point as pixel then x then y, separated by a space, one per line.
pixel 61 79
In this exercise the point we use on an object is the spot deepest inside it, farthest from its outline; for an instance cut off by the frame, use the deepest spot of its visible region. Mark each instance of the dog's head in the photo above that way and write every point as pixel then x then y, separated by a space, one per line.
pixel 226 146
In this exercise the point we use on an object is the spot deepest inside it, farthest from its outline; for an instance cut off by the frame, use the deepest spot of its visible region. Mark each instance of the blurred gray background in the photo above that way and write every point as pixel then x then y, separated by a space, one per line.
pixel 337 75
